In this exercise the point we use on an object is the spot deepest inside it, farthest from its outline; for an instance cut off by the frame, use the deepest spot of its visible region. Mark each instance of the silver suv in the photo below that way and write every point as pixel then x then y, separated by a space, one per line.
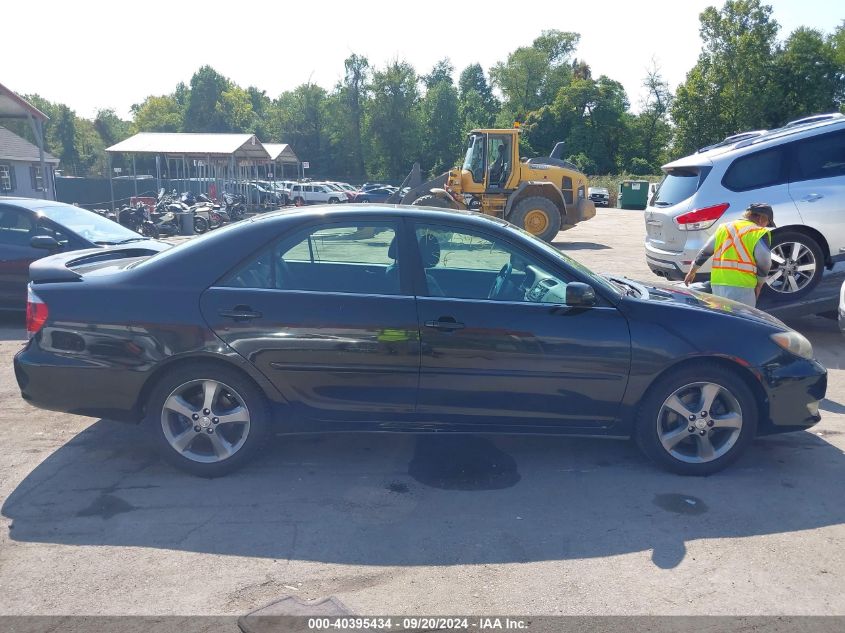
pixel 798 169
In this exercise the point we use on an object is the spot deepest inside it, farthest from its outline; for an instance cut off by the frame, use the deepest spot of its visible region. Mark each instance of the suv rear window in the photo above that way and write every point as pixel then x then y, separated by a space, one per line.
pixel 678 185
pixel 758 170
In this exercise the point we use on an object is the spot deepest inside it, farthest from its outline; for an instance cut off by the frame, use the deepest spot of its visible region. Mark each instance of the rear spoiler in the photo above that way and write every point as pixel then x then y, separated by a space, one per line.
pixel 59 267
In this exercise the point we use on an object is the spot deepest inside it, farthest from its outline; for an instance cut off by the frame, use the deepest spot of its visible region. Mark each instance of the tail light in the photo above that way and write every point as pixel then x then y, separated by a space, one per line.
pixel 701 218
pixel 36 313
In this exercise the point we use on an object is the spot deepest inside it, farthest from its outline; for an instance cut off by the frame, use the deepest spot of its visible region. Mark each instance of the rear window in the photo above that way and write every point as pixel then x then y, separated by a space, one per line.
pixel 758 170
pixel 679 184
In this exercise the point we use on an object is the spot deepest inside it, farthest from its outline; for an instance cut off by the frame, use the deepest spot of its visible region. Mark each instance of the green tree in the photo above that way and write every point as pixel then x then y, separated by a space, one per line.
pixel 391 122
pixel 478 106
pixel 809 78
pixel 347 106
pixel 157 114
pixel 732 87
pixel 203 112
pixel 440 120
pixel 66 137
pixel 300 120
pixel 234 111
pixel 532 75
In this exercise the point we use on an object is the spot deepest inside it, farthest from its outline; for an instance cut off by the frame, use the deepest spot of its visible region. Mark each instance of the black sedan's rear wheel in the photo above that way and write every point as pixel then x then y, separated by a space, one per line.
pixel 206 419
pixel 698 420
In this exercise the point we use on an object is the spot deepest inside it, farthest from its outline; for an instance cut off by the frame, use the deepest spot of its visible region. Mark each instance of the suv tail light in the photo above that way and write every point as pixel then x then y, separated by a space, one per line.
pixel 701 218
pixel 36 313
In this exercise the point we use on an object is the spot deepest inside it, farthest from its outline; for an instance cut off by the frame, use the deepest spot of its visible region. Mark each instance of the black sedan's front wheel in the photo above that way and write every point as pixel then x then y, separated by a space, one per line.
pixel 698 420
pixel 207 420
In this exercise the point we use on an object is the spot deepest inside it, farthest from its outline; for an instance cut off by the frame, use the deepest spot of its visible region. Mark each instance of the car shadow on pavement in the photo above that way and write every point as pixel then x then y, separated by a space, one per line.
pixel 385 499
pixel 579 246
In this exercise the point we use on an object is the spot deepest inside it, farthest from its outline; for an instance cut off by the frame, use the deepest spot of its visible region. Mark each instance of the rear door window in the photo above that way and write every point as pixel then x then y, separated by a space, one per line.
pixel 756 171
pixel 819 157
pixel 679 184
pixel 359 258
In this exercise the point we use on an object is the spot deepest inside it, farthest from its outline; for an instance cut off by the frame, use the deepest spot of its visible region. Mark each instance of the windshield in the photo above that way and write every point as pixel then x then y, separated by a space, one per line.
pixel 88 225
pixel 474 161
pixel 598 280
pixel 678 185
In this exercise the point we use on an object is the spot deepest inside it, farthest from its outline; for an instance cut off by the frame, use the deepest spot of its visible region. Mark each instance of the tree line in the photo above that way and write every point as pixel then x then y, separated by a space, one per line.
pixel 377 121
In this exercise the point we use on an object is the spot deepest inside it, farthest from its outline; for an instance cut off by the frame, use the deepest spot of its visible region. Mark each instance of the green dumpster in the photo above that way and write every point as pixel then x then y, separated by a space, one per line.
pixel 633 194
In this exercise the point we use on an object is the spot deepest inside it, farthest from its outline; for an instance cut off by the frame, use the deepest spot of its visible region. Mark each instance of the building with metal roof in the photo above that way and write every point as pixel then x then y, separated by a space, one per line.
pixel 25 169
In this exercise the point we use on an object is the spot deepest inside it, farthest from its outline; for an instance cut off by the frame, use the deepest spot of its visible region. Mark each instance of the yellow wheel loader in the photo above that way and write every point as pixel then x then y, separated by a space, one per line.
pixel 541 195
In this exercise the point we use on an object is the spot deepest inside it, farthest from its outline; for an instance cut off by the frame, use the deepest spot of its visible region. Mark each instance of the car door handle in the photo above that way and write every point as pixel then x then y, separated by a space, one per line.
pixel 240 313
pixel 812 197
pixel 445 323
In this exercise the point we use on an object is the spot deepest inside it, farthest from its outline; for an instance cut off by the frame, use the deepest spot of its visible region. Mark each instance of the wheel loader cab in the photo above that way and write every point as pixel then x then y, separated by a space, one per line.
pixel 489 162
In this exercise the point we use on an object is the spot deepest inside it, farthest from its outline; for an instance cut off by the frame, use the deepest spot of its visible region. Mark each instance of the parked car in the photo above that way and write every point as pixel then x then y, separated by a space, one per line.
pixel 798 169
pixel 315 193
pixel 402 318
pixel 380 194
pixel 367 186
pixel 599 195
pixel 350 191
pixel 31 229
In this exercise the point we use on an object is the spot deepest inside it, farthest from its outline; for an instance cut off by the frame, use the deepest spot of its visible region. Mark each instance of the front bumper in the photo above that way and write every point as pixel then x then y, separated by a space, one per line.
pixel 795 387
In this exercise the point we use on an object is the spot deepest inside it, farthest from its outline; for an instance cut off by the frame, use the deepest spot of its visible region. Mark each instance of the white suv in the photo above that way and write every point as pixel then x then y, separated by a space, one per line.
pixel 315 193
pixel 798 169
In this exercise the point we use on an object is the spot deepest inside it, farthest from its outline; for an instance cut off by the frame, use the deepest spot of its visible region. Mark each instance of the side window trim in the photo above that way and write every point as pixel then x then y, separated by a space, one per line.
pixel 273 245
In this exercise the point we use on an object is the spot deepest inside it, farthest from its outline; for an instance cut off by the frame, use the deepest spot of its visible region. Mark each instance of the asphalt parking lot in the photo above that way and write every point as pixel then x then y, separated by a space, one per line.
pixel 92 522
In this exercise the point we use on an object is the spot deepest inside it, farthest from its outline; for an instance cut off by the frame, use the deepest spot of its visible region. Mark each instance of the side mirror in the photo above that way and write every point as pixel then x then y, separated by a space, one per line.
pixel 580 295
pixel 44 241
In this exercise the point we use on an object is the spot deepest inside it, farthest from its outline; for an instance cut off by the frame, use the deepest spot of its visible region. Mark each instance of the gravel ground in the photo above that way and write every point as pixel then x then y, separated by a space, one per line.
pixel 93 523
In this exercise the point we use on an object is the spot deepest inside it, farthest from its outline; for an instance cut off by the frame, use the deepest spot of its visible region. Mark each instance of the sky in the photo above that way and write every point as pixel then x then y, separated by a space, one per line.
pixel 91 54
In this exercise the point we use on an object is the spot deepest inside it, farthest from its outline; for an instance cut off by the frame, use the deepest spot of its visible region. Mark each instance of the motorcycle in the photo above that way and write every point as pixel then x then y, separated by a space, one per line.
pixel 235 206
pixel 138 219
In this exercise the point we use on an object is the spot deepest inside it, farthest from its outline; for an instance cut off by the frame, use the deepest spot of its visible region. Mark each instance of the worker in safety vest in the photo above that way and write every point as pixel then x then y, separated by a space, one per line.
pixel 741 256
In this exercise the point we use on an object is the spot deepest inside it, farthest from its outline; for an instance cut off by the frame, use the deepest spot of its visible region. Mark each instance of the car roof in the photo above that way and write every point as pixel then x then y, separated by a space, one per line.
pixel 739 143
pixel 34 204
pixel 390 210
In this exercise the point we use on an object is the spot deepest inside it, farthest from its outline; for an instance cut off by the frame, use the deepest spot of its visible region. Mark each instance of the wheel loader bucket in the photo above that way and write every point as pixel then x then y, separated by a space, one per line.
pixel 417 186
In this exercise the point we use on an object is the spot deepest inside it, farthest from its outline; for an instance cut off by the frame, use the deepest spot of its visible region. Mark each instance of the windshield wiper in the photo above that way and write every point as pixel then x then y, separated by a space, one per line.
pixel 126 241
pixel 661 203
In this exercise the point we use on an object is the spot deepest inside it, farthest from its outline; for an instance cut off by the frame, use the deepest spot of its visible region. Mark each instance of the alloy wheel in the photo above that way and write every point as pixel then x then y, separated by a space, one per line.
pixel 205 421
pixel 793 267
pixel 699 422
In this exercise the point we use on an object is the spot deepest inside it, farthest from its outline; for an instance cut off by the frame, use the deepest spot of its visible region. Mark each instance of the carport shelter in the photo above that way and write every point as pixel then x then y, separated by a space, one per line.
pixel 203 163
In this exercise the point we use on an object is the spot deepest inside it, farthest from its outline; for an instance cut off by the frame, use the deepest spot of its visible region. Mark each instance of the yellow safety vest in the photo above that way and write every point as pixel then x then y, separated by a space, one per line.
pixel 733 257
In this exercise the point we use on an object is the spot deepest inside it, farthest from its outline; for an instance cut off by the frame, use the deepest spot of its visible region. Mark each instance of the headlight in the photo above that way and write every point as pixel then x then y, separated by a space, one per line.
pixel 794 343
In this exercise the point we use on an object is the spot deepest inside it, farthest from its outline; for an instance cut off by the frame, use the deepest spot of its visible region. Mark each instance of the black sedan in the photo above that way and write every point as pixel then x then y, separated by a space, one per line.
pixel 31 229
pixel 402 319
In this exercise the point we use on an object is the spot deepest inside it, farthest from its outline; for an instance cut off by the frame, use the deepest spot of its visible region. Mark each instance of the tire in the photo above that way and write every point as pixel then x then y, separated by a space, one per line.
pixel 537 215
pixel 216 221
pixel 150 230
pixel 333 200
pixel 299 201
pixel 200 224
pixel 782 275
pixel 234 395
pixel 430 200
pixel 658 425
